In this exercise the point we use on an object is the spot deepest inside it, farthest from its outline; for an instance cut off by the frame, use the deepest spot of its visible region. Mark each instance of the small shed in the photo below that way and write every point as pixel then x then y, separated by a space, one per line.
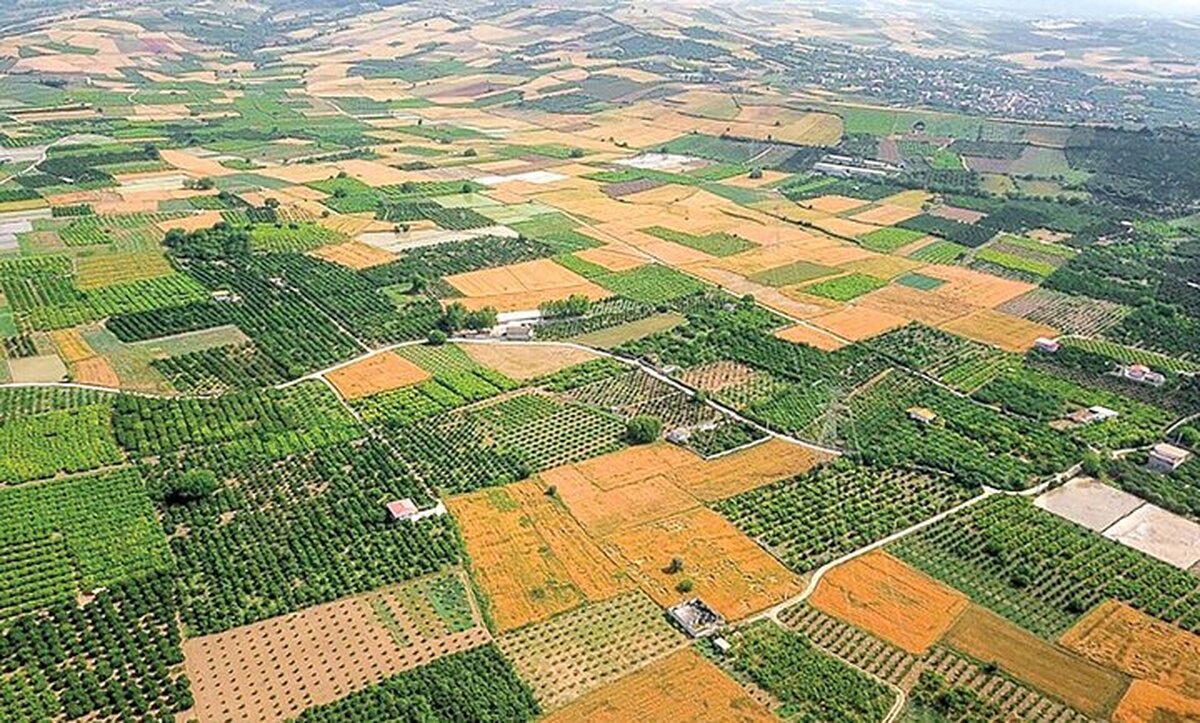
pixel 679 435
pixel 1049 346
pixel 922 415
pixel 402 509
pixel 1166 458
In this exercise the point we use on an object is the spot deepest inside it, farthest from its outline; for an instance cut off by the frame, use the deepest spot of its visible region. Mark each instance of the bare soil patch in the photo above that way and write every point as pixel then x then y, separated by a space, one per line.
pixel 526 361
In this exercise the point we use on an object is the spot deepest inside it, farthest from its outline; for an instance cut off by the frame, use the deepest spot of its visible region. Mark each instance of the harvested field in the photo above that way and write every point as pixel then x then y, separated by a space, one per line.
pixel 682 687
pixel 857 323
pixel 891 600
pixel 611 258
pixel 354 255
pixel 1076 681
pixel 274 669
pixel 379 373
pixel 605 511
pixel 975 289
pixel 615 336
pixel 833 204
pixel 714 479
pixel 95 370
pixel 909 303
pixel 1122 638
pixel 886 214
pixel 1010 333
pixel 1146 702
pixel 531 559
pixel 71 345
pixel 195 222
pixel 805 334
pixel 522 286
pixel 727 569
pixel 843 227
pixel 586 648
pixel 915 199
pixel 952 213
pixel 526 361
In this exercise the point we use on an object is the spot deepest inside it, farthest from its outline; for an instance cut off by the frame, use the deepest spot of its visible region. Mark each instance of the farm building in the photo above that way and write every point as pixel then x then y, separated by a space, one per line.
pixel 402 509
pixel 679 436
pixel 1166 458
pixel 1143 375
pixel 1092 415
pixel 922 415
pixel 696 618
pixel 1049 346
pixel 406 509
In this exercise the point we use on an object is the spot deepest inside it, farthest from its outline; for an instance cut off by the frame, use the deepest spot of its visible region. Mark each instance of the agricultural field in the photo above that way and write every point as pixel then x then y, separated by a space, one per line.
pixel 365 361
pixel 579 651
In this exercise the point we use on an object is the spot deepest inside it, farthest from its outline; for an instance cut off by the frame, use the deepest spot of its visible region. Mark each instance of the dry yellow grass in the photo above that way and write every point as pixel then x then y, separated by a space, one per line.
pixel 805 334
pixel 857 323
pixel 1076 681
pixel 526 361
pixel 71 345
pixel 382 372
pixel 1120 637
pixel 529 556
pixel 889 599
pixel 881 267
pixel 727 569
pixel 682 688
pixel 1010 333
pixel 354 255
pixel 833 204
pixel 1148 703
pixel 612 258
pixel 522 286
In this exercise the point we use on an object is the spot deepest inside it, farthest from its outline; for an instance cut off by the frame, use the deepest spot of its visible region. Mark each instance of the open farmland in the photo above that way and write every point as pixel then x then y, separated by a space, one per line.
pixel 272 670
pixel 472 362
pixel 579 651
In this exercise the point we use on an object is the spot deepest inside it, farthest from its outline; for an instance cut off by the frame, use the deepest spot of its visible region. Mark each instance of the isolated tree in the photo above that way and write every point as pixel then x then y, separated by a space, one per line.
pixel 643 429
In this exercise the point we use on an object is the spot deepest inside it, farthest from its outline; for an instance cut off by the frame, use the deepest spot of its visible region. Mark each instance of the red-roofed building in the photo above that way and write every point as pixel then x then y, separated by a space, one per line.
pixel 402 509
